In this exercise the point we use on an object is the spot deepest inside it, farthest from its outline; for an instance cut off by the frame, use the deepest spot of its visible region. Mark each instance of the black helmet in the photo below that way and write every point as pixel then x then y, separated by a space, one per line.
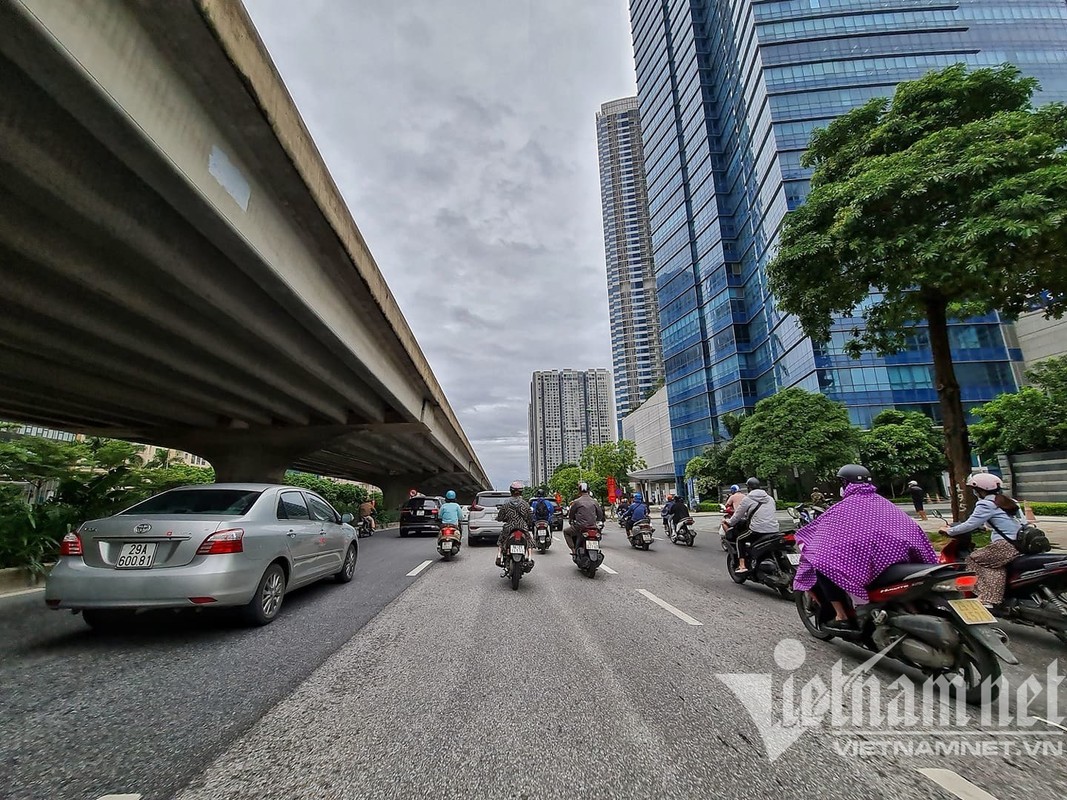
pixel 541 492
pixel 753 483
pixel 854 473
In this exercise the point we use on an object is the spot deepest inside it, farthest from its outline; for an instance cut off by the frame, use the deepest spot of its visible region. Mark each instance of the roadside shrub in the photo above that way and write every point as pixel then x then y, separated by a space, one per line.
pixel 707 507
pixel 1049 509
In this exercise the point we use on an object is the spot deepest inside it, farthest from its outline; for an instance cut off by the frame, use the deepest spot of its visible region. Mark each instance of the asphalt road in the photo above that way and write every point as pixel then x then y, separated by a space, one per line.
pixel 448 684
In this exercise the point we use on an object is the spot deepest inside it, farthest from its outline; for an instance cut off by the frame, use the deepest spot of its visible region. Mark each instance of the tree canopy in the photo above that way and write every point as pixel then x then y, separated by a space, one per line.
pixel 615 459
pixel 1032 419
pixel 949 200
pixel 795 429
pixel 901 446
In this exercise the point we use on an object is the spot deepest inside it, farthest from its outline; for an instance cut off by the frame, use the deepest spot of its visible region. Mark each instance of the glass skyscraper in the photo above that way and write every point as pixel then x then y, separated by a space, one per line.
pixel 635 350
pixel 729 92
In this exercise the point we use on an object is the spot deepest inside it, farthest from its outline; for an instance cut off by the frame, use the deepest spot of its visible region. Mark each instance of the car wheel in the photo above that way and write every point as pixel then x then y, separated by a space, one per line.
pixel 106 620
pixel 403 534
pixel 348 568
pixel 267 601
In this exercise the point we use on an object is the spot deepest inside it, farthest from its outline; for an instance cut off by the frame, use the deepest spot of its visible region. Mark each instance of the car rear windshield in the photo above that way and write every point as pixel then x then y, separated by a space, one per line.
pixel 222 502
pixel 492 500
pixel 422 502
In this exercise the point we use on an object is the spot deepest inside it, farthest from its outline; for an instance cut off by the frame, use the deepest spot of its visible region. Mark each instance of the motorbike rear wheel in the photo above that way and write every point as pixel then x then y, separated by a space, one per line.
pixel 731 567
pixel 976 666
pixel 809 615
pixel 516 575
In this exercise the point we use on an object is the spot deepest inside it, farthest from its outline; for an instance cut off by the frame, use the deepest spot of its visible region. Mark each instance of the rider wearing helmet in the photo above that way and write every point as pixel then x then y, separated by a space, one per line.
pixel 756 514
pixel 542 508
pixel 733 501
pixel 516 516
pixel 584 513
pixel 635 512
pixel 1001 515
pixel 665 509
pixel 450 511
pixel 854 541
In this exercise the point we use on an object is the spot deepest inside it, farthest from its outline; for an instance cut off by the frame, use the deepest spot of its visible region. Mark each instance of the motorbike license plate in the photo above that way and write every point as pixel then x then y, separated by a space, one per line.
pixel 592 544
pixel 972 612
pixel 648 537
pixel 794 558
pixel 446 546
pixel 518 549
pixel 136 555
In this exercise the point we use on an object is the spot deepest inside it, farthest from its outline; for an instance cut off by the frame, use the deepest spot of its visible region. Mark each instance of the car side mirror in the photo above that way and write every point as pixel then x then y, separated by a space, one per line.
pixel 346 518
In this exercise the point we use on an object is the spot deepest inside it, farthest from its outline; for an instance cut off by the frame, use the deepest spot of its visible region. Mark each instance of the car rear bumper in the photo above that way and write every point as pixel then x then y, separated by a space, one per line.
pixel 230 580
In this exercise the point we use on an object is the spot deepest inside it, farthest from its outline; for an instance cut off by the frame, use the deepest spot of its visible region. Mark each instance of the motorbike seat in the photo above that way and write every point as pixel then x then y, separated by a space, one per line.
pixel 1027 563
pixel 903 572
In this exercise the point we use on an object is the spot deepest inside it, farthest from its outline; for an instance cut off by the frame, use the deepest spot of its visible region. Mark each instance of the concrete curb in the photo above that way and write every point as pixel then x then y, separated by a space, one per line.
pixel 19 579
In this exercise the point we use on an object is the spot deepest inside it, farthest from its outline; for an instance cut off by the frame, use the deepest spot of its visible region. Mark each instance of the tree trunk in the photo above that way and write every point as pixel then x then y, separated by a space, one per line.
pixel 957 442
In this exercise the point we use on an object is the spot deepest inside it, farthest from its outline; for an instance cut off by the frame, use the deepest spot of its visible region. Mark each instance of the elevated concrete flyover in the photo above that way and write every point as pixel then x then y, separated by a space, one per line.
pixel 177 266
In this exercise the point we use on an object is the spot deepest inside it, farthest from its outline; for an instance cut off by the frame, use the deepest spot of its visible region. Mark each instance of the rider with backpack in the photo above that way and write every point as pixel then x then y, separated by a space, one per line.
pixel 541 508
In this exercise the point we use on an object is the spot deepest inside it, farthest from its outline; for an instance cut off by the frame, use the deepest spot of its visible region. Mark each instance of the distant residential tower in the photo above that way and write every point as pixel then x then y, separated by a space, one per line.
pixel 569 410
pixel 635 348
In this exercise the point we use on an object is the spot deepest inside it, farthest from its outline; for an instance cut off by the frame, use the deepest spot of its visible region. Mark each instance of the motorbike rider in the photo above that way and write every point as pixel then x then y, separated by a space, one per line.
pixel 679 511
pixel 759 511
pixel 665 510
pixel 584 513
pixel 516 516
pixel 817 498
pixel 450 512
pixel 733 501
pixel 634 513
pixel 1001 514
pixel 366 514
pixel 541 507
pixel 854 541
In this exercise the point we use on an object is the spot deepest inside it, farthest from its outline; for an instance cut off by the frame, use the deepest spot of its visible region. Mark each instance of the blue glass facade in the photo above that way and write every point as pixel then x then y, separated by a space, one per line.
pixel 729 92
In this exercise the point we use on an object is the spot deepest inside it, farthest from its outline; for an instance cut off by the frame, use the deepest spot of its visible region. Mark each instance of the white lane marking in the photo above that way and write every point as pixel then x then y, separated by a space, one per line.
pixel 21 592
pixel 963 789
pixel 418 569
pixel 688 620
pixel 121 797
pixel 608 570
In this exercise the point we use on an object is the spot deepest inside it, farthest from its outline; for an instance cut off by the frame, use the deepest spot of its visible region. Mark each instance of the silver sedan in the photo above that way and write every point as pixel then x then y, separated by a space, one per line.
pixel 223 544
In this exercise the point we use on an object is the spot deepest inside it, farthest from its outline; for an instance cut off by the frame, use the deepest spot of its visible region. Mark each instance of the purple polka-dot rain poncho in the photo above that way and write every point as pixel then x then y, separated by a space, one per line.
pixel 856 539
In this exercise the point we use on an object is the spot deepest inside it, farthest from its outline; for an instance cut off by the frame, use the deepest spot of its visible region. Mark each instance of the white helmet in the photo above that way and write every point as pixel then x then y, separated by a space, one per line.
pixel 985 481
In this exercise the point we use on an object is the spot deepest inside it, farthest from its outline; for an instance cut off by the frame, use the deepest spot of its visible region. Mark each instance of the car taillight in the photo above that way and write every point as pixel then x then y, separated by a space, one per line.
pixel 71 545
pixel 433 510
pixel 222 542
pixel 886 592
pixel 476 508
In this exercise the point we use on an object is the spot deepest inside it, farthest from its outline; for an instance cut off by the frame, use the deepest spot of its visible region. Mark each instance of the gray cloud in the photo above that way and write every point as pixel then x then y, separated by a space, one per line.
pixel 462 136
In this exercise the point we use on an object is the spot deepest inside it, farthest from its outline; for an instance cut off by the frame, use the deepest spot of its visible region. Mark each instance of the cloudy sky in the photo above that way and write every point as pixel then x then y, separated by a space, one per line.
pixel 462 135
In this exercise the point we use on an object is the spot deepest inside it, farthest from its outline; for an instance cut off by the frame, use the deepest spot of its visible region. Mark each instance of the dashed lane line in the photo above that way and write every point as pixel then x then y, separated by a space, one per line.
pixel 688 620
pixel 608 570
pixel 960 787
pixel 418 569
pixel 121 797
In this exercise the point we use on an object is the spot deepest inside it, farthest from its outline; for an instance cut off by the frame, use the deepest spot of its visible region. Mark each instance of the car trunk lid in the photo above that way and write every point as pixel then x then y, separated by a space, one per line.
pixel 171 541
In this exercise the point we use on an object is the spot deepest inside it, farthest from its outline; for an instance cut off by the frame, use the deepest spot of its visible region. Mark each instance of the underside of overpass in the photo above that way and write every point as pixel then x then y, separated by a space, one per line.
pixel 177 266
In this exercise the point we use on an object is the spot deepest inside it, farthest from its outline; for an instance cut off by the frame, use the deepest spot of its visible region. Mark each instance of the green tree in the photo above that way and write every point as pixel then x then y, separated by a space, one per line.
pixel 40 462
pixel 611 459
pixel 901 446
pixel 1032 419
pixel 712 469
pixel 564 481
pixel 948 201
pixel 795 429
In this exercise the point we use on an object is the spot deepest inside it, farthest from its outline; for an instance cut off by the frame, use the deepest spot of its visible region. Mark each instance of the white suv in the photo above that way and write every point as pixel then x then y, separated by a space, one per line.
pixel 481 523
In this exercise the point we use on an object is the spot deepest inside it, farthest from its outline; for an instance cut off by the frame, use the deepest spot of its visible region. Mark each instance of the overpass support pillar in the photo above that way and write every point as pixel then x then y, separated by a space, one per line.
pixel 249 464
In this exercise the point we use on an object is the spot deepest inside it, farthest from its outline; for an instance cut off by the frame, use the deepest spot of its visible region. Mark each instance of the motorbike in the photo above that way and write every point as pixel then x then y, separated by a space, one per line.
pixel 917 614
pixel 1035 593
pixel 804 513
pixel 543 535
pixel 365 528
pixel 682 533
pixel 517 561
pixel 640 534
pixel 587 553
pixel 772 561
pixel 723 541
pixel 448 542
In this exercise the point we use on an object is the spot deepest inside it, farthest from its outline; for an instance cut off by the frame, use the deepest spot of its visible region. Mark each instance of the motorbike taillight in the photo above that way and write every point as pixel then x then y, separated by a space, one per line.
pixel 517 536
pixel 789 538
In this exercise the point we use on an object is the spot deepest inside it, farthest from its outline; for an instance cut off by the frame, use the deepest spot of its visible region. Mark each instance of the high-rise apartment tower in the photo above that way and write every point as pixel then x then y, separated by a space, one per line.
pixel 569 410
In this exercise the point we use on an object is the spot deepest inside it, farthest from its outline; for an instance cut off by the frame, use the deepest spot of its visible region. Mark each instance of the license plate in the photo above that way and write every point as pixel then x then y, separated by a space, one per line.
pixel 972 612
pixel 136 555
pixel 648 537
pixel 592 544
pixel 794 558
pixel 518 549
pixel 446 546
pixel 420 513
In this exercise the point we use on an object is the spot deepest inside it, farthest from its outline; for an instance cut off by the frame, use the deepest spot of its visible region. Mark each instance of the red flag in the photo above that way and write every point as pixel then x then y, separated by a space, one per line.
pixel 611 489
